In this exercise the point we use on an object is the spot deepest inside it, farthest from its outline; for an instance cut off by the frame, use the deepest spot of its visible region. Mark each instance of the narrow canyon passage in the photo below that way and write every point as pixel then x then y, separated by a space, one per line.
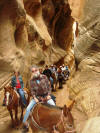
pixel 46 32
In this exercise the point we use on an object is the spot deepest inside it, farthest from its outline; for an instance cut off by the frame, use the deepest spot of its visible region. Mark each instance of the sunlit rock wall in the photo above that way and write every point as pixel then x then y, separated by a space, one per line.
pixel 85 85
pixel 32 32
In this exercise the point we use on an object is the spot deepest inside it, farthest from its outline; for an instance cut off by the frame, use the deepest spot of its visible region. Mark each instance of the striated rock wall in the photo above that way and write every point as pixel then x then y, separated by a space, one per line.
pixel 92 126
pixel 31 32
pixel 85 85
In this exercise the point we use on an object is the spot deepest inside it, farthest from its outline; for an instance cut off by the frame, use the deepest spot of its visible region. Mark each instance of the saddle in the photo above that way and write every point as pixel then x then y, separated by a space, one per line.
pixel 25 94
pixel 17 94
pixel 33 120
pixel 42 98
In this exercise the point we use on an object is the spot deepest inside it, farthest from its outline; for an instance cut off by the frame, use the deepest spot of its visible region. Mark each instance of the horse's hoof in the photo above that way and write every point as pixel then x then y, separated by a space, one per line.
pixel 21 119
pixel 25 129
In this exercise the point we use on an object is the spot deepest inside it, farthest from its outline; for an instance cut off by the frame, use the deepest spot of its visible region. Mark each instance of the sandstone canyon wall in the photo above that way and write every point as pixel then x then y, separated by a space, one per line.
pixel 85 85
pixel 34 32
pixel 40 32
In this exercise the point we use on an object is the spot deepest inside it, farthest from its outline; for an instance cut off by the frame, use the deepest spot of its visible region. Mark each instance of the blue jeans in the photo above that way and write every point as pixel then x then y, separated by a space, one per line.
pixel 31 105
pixel 51 80
pixel 21 93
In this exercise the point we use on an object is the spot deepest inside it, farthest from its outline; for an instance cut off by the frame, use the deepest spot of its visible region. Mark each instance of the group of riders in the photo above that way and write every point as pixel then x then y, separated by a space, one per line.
pixel 60 74
pixel 41 86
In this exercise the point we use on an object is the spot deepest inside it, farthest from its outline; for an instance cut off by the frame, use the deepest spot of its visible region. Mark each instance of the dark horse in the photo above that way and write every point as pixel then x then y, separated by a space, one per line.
pixel 13 101
pixel 51 119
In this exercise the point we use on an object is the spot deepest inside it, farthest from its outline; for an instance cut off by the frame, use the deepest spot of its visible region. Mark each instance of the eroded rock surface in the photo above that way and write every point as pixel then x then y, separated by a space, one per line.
pixel 92 126
pixel 31 33
pixel 85 85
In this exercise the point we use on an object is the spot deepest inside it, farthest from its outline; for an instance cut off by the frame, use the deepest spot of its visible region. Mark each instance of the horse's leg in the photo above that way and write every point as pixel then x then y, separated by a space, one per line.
pixel 56 81
pixel 16 118
pixel 59 84
pixel 55 84
pixel 54 88
pixel 11 114
pixel 21 117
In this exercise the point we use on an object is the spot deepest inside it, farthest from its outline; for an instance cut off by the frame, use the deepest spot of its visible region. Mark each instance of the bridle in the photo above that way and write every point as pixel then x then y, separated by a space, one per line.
pixel 55 127
pixel 61 121
pixel 11 96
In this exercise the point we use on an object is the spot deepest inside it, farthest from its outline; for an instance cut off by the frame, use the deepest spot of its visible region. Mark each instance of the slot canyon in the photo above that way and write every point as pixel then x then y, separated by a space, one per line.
pixel 46 32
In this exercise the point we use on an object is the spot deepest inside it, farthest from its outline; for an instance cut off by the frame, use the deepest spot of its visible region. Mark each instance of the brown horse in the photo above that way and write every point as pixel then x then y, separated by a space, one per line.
pixel 51 119
pixel 55 81
pixel 13 101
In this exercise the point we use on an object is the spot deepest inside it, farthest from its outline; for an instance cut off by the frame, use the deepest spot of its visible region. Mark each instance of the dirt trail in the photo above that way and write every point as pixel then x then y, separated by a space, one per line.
pixel 5 120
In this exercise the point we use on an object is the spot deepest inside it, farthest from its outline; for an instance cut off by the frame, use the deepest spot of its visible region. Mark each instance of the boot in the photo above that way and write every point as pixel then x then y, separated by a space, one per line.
pixel 25 129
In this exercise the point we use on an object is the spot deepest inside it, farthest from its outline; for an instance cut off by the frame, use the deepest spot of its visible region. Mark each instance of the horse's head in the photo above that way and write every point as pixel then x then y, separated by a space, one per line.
pixel 7 93
pixel 66 123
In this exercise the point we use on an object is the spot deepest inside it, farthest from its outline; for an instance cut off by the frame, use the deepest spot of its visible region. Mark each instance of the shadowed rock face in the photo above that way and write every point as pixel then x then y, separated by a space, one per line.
pixel 86 82
pixel 13 38
pixel 31 33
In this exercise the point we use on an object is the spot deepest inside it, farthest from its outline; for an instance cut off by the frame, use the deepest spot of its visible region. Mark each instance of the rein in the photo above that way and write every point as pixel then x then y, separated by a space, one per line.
pixel 61 121
pixel 12 97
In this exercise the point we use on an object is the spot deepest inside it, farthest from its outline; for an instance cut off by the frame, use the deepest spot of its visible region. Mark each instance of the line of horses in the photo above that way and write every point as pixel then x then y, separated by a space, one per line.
pixel 52 119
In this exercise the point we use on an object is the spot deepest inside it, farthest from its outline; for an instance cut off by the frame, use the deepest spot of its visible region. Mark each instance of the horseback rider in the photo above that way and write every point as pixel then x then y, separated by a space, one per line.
pixel 53 69
pixel 67 71
pixel 40 90
pixel 18 85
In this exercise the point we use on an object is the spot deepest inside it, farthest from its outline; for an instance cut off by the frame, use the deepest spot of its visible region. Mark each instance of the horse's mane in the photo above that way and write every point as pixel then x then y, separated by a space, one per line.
pixel 51 106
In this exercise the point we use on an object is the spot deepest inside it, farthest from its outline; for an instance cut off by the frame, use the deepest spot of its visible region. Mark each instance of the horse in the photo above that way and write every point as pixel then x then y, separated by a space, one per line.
pixel 55 80
pixel 53 119
pixel 13 101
